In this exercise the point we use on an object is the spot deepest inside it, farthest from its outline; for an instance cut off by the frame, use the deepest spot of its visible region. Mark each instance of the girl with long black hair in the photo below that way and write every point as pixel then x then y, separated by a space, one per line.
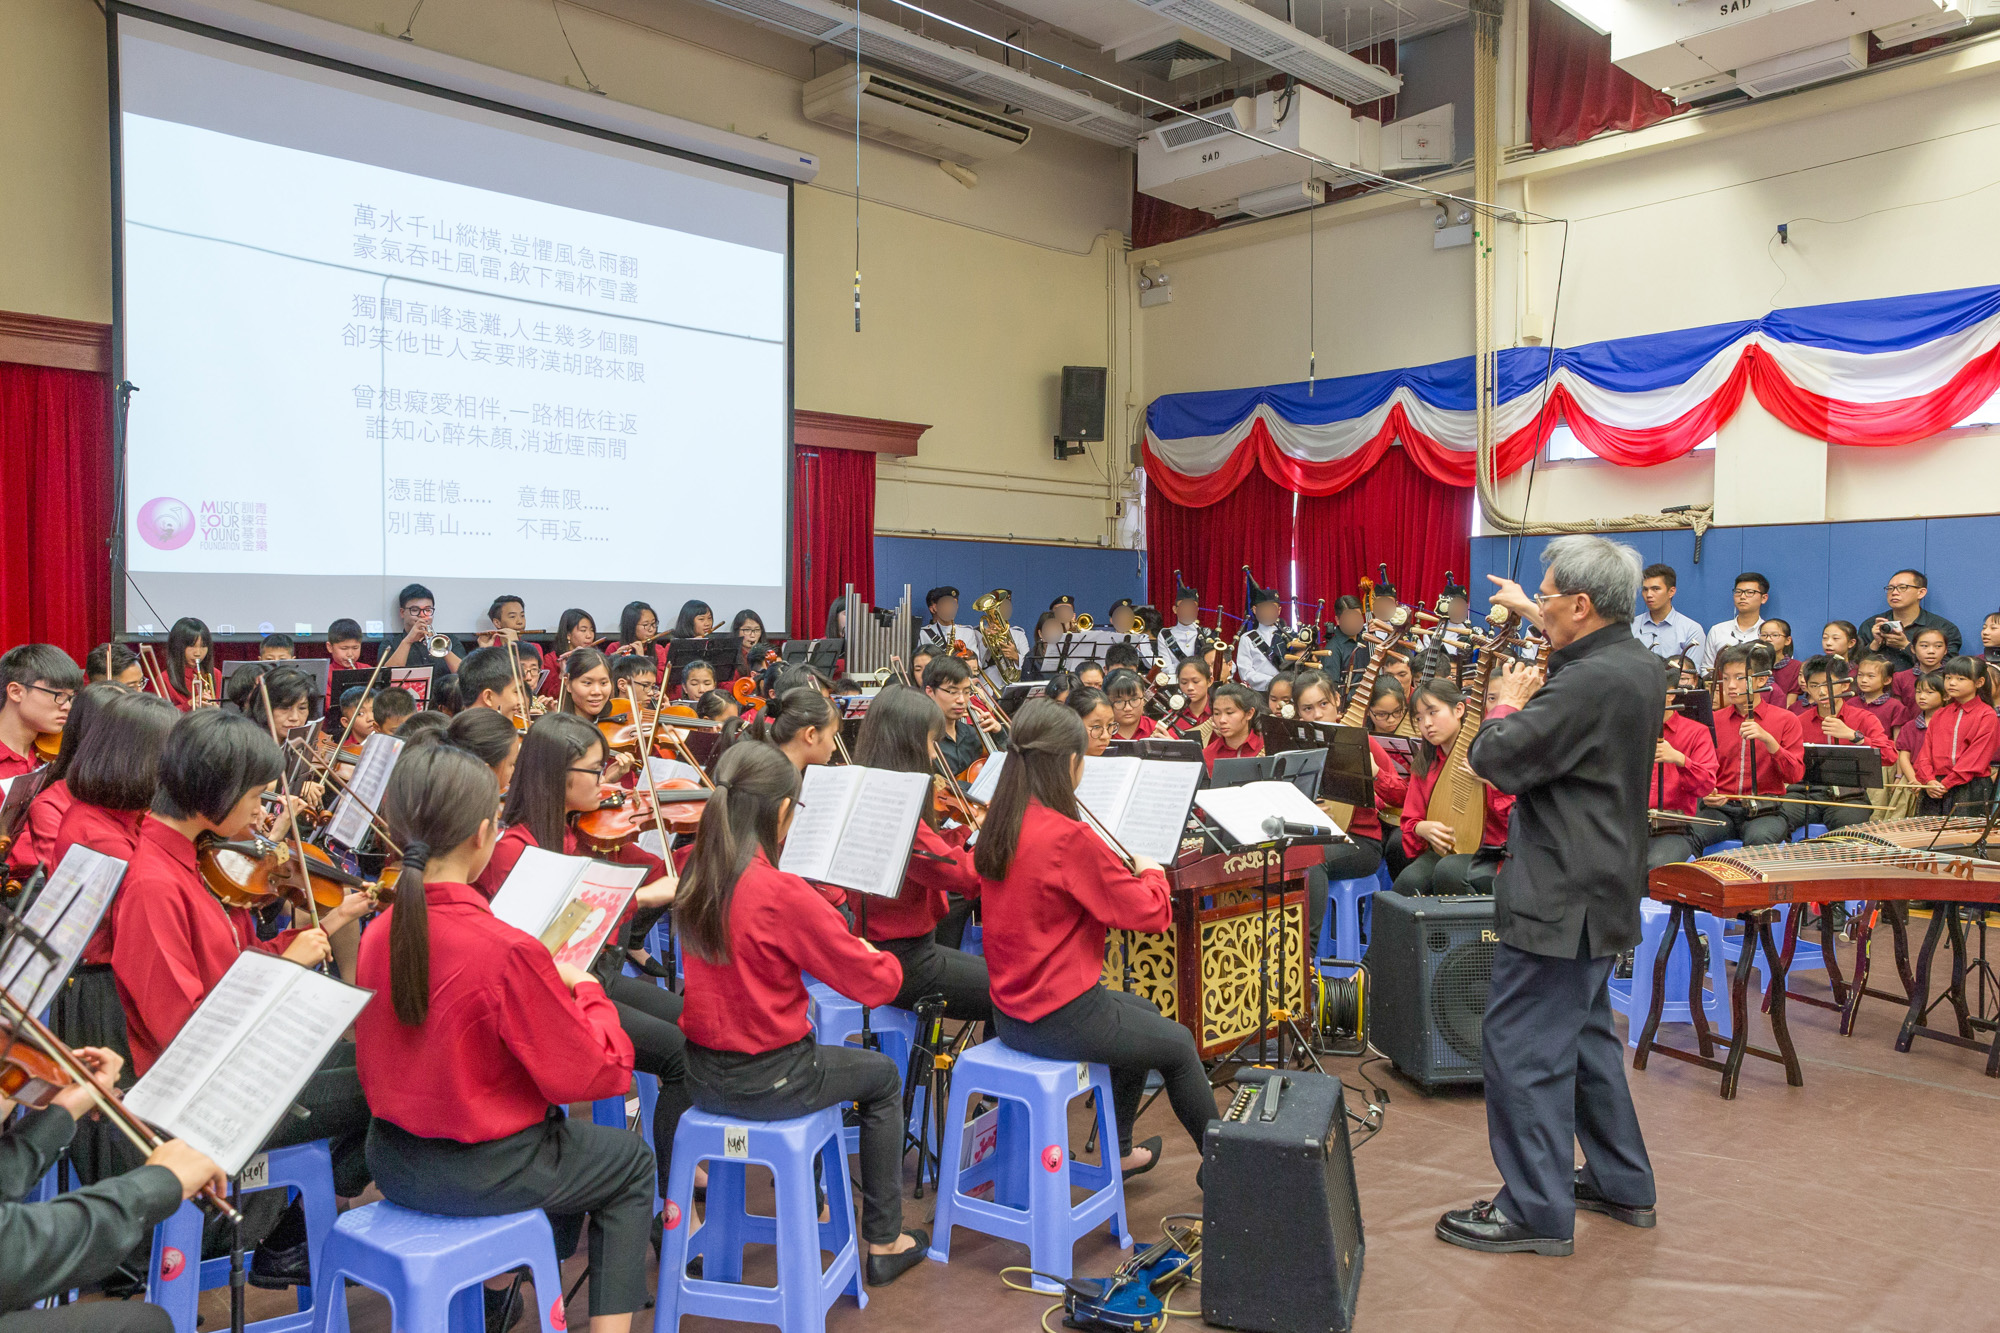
pixel 900 733
pixel 750 932
pixel 189 649
pixel 1053 888
pixel 1437 864
pixel 477 1039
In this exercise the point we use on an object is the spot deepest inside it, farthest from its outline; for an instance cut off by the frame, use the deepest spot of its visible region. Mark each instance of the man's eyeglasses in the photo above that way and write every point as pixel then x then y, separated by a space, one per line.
pixel 63 698
pixel 1901 587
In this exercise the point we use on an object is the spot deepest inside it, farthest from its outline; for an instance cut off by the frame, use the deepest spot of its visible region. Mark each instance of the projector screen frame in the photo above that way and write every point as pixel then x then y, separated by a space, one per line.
pixel 121 389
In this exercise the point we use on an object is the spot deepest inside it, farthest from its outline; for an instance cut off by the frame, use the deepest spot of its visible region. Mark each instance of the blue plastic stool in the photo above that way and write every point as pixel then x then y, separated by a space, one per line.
pixel 1031 1170
pixel 431 1267
pixel 1633 997
pixel 610 1112
pixel 974 939
pixel 1341 926
pixel 836 1021
pixel 1805 957
pixel 177 1277
pixel 798 1303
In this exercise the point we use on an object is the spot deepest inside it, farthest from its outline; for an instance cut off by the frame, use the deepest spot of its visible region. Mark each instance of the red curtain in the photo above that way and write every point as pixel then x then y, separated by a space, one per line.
pixel 1574 91
pixel 1396 515
pixel 55 487
pixel 833 532
pixel 1252 525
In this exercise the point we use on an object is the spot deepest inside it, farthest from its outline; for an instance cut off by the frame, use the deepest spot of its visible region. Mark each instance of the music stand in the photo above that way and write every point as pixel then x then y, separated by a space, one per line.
pixel 1347 779
pixel 1156 747
pixel 1856 767
pixel 722 652
pixel 1238 772
pixel 822 653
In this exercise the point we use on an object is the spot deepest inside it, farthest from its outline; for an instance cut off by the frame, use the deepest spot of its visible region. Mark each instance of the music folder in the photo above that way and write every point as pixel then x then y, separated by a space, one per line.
pixel 569 903
pixel 1240 812
pixel 855 827
pixel 1142 802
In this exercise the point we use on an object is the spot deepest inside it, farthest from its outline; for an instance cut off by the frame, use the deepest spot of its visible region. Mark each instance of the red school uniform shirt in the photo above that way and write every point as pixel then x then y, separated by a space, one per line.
pixel 1863 721
pixel 940 864
pixel 14 765
pixel 1416 801
pixel 1217 748
pixel 1958 744
pixel 1904 686
pixel 180 698
pixel 1785 677
pixel 1144 731
pixel 35 841
pixel 1755 770
pixel 1391 786
pixel 1887 709
pixel 1910 736
pixel 1046 921
pixel 172 940
pixel 779 928
pixel 112 832
pixel 503 1040
pixel 1681 786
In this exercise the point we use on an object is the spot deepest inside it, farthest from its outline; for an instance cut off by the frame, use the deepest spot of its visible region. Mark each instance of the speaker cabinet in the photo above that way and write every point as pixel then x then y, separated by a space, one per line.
pixel 1431 963
pixel 1082 403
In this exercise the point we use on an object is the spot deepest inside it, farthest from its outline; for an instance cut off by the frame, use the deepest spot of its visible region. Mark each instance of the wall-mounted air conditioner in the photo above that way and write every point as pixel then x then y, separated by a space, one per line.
pixel 1799 68
pixel 908 115
pixel 1197 163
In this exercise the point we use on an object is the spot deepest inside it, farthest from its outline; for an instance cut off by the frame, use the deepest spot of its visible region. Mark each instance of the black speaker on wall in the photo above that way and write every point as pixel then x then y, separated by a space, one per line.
pixel 1082 403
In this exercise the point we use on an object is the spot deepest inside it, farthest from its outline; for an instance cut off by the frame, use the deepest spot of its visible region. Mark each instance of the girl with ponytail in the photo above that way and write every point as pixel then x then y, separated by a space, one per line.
pixel 1052 889
pixel 802 722
pixel 476 1039
pixel 749 933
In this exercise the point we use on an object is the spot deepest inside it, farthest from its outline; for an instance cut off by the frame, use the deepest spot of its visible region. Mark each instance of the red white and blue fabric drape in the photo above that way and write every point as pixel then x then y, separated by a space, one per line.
pixel 1868 373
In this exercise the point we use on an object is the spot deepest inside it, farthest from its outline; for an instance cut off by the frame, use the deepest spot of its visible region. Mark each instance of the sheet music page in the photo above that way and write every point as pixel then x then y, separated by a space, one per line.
pixel 370 780
pixel 1156 815
pixel 1105 788
pixel 536 888
pixel 988 781
pixel 606 888
pixel 229 1011
pixel 824 800
pixel 237 1106
pixel 875 845
pixel 1241 811
pixel 65 914
pixel 660 770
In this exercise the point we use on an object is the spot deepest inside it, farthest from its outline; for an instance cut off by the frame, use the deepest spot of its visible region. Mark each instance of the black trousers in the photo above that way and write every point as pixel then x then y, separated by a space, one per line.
pixel 1344 860
pixel 649 1014
pixel 950 932
pixel 90 1317
pixel 1555 1077
pixel 1970 798
pixel 1750 830
pixel 929 968
pixel 336 1110
pixel 568 1168
pixel 1129 1035
pixel 1451 876
pixel 86 1012
pixel 1393 854
pixel 1665 849
pixel 804 1077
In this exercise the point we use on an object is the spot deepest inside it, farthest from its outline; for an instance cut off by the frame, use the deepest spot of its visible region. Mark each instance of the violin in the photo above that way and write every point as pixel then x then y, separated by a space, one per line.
pixel 951 802
pixel 257 872
pixel 29 1075
pixel 614 825
pixel 48 745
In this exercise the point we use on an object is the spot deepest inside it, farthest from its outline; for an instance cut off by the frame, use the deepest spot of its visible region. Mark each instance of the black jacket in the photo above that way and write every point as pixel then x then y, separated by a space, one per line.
pixel 1900 658
pixel 1577 758
pixel 77 1238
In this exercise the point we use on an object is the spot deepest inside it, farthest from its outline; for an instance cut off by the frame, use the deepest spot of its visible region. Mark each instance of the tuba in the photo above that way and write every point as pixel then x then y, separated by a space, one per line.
pixel 997 634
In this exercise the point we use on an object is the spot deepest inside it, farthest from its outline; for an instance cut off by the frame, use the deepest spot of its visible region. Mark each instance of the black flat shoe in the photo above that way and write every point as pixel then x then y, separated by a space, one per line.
pixel 1485 1228
pixel 1154 1146
pixel 1588 1199
pixel 279 1269
pixel 886 1268
pixel 503 1308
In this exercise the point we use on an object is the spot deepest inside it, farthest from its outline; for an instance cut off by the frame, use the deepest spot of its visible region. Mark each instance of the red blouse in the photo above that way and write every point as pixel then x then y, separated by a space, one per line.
pixel 940 864
pixel 36 840
pixel 112 832
pixel 1416 802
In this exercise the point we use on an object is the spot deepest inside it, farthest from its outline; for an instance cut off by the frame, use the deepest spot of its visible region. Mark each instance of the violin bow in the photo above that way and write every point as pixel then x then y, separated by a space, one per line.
pixel 285 791
pixel 645 758
pixel 367 690
pixel 1109 836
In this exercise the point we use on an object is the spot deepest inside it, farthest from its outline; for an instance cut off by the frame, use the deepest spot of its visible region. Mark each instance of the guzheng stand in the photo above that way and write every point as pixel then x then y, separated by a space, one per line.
pixel 1945 917
pixel 1757 933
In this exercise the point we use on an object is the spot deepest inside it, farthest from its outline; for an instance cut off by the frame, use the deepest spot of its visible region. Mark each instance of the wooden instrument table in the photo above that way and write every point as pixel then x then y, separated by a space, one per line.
pixel 1750 883
pixel 1207 971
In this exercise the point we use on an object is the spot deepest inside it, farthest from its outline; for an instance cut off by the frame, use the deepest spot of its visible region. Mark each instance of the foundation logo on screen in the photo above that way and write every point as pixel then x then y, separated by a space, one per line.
pixel 166 523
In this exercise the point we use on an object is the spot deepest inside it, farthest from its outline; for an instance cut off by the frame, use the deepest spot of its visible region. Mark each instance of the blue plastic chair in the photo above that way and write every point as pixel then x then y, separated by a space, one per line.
pixel 177 1275
pixel 799 1301
pixel 836 1021
pixel 431 1267
pixel 974 939
pixel 1031 1170
pixel 1633 996
pixel 1340 928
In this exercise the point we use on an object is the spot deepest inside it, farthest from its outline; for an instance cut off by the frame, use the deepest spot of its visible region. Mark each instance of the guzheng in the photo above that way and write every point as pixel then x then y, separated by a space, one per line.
pixel 1924 831
pixel 1825 869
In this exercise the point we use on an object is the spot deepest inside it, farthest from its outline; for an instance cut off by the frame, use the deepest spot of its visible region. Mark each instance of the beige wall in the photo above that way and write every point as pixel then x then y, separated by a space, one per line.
pixel 973 300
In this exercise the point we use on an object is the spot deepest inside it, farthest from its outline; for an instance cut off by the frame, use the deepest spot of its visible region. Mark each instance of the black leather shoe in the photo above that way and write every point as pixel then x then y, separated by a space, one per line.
pixel 1154 1146
pixel 1588 1199
pixel 886 1268
pixel 1485 1228
pixel 278 1269
pixel 503 1308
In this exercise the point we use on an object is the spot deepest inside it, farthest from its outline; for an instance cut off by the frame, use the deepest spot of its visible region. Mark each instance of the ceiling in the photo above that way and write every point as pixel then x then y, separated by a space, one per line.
pixel 1347 24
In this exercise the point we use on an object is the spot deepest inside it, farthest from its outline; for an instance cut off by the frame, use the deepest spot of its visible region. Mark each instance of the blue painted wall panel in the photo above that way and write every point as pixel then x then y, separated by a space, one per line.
pixel 1036 574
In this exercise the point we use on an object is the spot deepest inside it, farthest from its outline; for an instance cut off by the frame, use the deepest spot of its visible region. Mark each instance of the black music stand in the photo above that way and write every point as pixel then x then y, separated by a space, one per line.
pixel 822 653
pixel 1301 768
pixel 1156 747
pixel 1347 778
pixel 722 652
pixel 1857 767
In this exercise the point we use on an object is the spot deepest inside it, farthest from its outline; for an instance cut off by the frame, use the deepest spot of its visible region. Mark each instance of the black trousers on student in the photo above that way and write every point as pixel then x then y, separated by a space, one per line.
pixel 929 968
pixel 1393 854
pixel 1129 1035
pixel 86 1012
pixel 1665 849
pixel 567 1167
pixel 1970 798
pixel 1751 830
pixel 1451 876
pixel 1555 1078
pixel 1344 860
pixel 804 1077
pixel 650 1015
pixel 90 1317
pixel 335 1110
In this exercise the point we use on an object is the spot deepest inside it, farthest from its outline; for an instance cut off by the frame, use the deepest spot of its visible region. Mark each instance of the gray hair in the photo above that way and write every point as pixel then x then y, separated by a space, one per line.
pixel 1605 571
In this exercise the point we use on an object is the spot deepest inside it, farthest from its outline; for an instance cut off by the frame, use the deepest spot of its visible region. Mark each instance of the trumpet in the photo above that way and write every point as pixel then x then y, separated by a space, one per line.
pixel 1084 623
pixel 439 644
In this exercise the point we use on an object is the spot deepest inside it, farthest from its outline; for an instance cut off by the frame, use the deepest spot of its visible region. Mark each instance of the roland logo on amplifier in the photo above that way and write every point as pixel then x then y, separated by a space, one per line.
pixel 1488 937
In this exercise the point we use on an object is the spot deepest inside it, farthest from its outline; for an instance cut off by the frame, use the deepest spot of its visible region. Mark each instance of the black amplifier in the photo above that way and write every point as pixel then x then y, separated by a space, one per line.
pixel 1281 1242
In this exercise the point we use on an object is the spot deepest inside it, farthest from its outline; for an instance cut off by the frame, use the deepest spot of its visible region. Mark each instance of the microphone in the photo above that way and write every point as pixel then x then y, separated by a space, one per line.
pixel 1275 827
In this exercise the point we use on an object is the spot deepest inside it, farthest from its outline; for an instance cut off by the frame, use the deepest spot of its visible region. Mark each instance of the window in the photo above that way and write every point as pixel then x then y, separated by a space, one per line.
pixel 1986 414
pixel 1564 447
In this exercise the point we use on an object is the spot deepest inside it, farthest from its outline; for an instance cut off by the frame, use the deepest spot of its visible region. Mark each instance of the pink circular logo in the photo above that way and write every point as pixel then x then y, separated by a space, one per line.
pixel 671 1215
pixel 166 523
pixel 1052 1158
pixel 171 1263
pixel 556 1316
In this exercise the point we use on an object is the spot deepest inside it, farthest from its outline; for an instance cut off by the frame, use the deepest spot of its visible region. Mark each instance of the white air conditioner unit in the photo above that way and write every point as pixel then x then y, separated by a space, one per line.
pixel 1195 163
pixel 1699 88
pixel 909 115
pixel 1677 46
pixel 1284 199
pixel 1422 140
pixel 1799 68
pixel 1949 19
pixel 1289 50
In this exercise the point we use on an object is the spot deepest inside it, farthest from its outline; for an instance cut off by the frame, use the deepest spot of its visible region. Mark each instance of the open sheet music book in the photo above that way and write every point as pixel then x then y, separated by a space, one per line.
pixel 1144 802
pixel 855 827
pixel 65 914
pixel 569 903
pixel 223 1083
pixel 364 790
pixel 1240 812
